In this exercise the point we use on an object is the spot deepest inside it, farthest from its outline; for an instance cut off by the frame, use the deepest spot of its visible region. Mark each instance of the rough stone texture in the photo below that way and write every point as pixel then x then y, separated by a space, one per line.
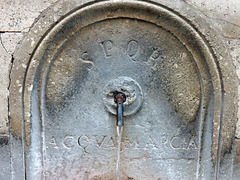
pixel 234 46
pixel 17 17
pixel 5 157
pixel 10 41
pixel 226 15
pixel 5 59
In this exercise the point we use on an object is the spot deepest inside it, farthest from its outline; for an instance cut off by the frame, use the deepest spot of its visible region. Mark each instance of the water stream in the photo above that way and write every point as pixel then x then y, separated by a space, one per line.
pixel 119 137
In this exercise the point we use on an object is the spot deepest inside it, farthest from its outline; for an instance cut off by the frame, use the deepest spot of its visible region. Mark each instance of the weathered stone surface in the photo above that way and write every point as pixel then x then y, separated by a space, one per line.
pixel 234 49
pixel 61 88
pixel 5 172
pixel 5 60
pixel 10 41
pixel 18 17
pixel 225 13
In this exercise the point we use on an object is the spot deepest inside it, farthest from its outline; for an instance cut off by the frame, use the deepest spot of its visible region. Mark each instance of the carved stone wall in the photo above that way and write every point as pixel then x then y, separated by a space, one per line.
pixel 18 19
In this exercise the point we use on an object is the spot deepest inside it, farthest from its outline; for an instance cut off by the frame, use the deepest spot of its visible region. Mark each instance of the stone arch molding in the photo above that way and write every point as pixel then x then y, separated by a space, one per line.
pixel 61 62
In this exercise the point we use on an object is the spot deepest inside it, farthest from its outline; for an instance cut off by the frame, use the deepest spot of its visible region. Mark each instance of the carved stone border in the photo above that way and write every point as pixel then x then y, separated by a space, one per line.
pixel 212 49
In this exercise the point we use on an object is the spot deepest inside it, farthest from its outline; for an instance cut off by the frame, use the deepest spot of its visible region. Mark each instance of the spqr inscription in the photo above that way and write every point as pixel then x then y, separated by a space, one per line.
pixel 132 49
pixel 87 60
pixel 152 61
pixel 107 47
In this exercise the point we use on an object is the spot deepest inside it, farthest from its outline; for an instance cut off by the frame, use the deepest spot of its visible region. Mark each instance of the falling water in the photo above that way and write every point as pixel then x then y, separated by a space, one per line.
pixel 119 137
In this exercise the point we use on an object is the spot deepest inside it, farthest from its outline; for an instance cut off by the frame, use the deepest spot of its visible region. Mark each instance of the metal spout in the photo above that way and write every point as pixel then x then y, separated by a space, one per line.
pixel 119 98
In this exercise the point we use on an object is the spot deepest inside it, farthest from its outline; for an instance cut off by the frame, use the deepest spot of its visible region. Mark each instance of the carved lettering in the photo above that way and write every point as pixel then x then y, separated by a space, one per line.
pixel 66 141
pixel 86 59
pixel 192 144
pixel 99 143
pixel 84 142
pixel 132 49
pixel 129 144
pixel 150 144
pixel 110 143
pixel 152 59
pixel 54 142
pixel 107 47
pixel 155 54
pixel 164 139
pixel 175 142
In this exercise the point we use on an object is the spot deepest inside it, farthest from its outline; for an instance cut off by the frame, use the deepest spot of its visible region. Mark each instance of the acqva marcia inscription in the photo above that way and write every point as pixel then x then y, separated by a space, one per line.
pixel 108 142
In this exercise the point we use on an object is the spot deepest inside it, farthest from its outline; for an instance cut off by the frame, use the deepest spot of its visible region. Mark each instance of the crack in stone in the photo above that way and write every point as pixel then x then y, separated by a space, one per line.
pixel 10 32
pixel 228 22
pixel 2 43
pixel 8 89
